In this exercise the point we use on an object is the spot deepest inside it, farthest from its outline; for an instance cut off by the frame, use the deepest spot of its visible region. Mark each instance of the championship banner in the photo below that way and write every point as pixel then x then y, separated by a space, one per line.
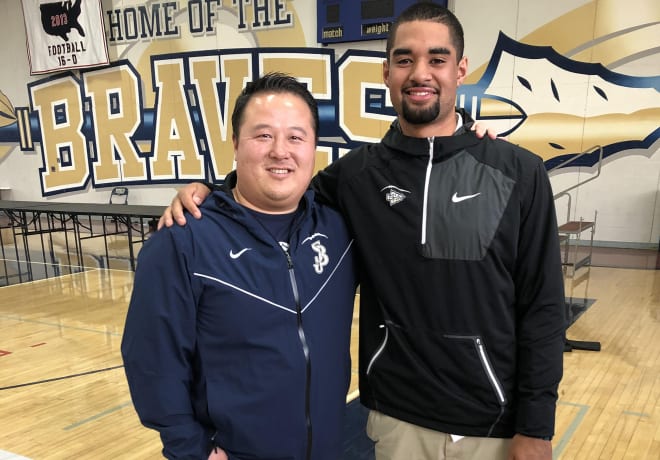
pixel 64 35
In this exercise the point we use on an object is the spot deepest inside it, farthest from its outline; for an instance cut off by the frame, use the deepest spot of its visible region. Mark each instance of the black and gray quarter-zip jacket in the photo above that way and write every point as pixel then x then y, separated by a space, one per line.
pixel 462 317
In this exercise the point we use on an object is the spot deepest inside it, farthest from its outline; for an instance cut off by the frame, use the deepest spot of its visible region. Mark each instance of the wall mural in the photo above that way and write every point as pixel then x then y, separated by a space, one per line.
pixel 160 112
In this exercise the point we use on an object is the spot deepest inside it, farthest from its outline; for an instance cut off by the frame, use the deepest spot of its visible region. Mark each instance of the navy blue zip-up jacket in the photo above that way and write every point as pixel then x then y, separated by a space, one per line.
pixel 229 337
pixel 462 315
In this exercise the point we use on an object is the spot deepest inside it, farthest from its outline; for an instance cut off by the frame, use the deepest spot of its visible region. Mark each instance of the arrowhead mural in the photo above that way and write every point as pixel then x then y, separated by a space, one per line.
pixel 558 107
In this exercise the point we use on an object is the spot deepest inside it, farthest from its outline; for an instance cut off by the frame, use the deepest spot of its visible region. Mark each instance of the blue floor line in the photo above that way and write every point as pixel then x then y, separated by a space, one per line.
pixel 97 416
pixel 566 437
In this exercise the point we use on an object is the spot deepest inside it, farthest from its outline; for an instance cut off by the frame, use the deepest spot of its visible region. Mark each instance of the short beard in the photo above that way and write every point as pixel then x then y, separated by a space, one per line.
pixel 420 116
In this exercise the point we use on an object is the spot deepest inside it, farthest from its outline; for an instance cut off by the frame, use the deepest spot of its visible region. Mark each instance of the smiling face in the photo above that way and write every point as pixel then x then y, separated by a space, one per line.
pixel 422 73
pixel 274 150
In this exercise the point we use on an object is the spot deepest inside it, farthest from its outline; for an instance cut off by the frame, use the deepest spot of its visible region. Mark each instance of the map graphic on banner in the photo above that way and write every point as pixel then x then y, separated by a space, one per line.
pixel 64 35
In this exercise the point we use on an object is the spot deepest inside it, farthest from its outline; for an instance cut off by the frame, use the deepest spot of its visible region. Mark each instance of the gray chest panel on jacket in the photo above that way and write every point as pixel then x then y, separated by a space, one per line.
pixel 466 202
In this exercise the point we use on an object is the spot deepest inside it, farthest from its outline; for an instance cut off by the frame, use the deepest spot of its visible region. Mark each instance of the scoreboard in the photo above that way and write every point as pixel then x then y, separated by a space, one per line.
pixel 356 20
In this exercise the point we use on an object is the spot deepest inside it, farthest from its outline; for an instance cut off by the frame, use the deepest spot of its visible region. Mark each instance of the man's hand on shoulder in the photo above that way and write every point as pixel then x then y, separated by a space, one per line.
pixel 188 198
pixel 482 129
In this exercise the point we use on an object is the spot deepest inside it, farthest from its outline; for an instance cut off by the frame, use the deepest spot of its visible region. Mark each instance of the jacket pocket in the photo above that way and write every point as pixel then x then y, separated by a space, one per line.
pixel 379 350
pixel 482 355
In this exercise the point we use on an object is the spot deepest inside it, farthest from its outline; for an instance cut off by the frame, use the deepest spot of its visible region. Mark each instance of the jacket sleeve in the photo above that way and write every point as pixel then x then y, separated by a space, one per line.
pixel 325 184
pixel 159 342
pixel 540 309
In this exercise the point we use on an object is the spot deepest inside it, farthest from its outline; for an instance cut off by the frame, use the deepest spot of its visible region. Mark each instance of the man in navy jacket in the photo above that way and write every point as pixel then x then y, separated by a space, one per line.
pixel 237 338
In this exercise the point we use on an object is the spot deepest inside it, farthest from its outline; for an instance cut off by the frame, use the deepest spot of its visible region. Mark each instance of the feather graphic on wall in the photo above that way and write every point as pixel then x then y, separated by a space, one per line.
pixel 7 112
pixel 7 117
pixel 558 107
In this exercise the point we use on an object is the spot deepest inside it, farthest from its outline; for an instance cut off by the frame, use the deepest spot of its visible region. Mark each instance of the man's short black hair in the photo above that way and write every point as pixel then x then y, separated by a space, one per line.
pixel 429 11
pixel 274 82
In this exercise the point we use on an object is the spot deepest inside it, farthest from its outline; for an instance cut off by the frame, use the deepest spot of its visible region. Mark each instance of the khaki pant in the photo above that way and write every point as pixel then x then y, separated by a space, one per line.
pixel 398 440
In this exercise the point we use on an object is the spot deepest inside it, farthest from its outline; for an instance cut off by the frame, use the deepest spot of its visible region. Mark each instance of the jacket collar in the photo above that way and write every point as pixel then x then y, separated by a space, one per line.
pixel 442 145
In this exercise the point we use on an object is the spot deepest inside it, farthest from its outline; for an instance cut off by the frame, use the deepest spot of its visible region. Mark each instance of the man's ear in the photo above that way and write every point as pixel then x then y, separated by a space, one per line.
pixel 462 70
pixel 386 73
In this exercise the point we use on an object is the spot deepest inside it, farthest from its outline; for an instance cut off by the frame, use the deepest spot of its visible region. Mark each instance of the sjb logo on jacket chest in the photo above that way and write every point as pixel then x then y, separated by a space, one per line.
pixel 321 258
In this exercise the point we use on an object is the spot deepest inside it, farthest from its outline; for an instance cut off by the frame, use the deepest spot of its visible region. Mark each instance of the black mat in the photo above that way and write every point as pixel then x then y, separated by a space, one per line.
pixel 575 307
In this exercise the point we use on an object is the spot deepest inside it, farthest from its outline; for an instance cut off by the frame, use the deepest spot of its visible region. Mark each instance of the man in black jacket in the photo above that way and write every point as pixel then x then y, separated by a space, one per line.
pixel 462 315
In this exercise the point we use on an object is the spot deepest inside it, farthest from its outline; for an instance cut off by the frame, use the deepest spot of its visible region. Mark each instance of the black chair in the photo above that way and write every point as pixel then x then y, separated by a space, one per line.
pixel 119 195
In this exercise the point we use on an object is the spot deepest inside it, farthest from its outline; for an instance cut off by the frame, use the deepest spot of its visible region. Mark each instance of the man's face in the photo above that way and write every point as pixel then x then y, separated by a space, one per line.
pixel 274 152
pixel 422 75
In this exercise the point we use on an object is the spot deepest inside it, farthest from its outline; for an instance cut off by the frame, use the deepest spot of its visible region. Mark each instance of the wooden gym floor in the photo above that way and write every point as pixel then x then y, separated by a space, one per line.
pixel 63 393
